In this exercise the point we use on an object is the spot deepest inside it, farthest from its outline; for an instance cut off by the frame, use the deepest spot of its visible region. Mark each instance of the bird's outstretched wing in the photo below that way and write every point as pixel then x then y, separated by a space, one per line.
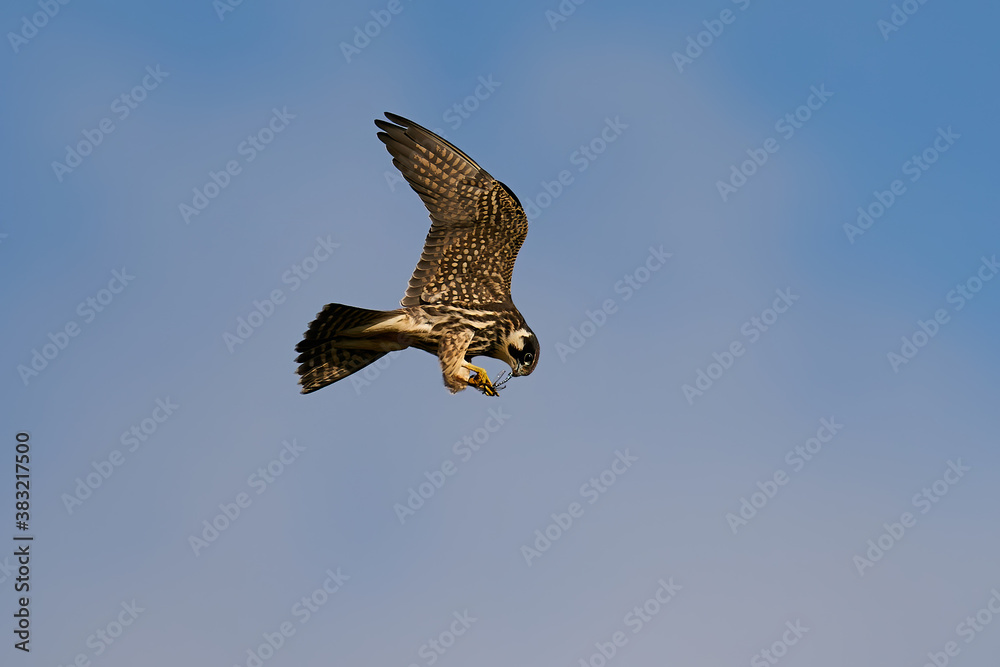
pixel 477 223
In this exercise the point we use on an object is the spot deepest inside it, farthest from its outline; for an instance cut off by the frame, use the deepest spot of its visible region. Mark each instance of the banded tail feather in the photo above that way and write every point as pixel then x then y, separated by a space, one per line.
pixel 342 340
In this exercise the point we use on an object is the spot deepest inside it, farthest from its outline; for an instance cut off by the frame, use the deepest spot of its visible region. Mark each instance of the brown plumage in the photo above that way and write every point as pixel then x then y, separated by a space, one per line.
pixel 457 304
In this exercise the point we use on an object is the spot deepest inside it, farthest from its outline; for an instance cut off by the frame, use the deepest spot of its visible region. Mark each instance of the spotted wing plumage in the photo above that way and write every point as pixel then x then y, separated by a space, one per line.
pixel 477 223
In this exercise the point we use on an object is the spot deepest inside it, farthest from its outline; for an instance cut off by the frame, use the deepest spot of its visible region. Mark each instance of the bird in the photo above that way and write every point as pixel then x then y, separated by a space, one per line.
pixel 457 304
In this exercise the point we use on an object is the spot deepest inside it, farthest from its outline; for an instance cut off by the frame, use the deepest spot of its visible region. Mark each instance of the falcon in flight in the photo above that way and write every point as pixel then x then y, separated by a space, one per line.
pixel 457 305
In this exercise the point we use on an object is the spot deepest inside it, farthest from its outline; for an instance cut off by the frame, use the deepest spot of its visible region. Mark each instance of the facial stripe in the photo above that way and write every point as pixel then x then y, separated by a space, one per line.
pixel 517 337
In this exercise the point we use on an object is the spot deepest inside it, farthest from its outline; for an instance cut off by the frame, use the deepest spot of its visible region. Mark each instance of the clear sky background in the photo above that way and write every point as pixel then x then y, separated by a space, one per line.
pixel 556 93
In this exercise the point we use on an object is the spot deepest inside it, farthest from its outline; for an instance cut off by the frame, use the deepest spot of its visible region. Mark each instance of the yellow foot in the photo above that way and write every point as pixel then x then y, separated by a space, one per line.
pixel 480 380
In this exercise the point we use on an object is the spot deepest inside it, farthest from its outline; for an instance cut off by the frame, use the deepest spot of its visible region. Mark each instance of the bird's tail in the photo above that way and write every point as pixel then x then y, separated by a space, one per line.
pixel 343 340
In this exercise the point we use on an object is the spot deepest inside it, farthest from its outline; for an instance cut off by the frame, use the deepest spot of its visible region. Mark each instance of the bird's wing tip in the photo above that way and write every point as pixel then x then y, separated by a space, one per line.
pixel 398 120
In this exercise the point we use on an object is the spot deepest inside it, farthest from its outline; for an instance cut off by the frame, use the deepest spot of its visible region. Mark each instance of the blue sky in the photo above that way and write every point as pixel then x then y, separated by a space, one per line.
pixel 673 392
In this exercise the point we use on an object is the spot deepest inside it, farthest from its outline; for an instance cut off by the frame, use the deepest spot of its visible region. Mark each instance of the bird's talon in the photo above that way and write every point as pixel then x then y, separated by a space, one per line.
pixel 482 383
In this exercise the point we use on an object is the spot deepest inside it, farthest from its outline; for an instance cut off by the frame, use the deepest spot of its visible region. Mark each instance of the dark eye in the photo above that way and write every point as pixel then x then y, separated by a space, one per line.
pixel 528 358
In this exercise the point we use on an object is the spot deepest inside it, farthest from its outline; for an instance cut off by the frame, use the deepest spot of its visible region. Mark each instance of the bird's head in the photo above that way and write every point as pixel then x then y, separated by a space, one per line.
pixel 521 352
